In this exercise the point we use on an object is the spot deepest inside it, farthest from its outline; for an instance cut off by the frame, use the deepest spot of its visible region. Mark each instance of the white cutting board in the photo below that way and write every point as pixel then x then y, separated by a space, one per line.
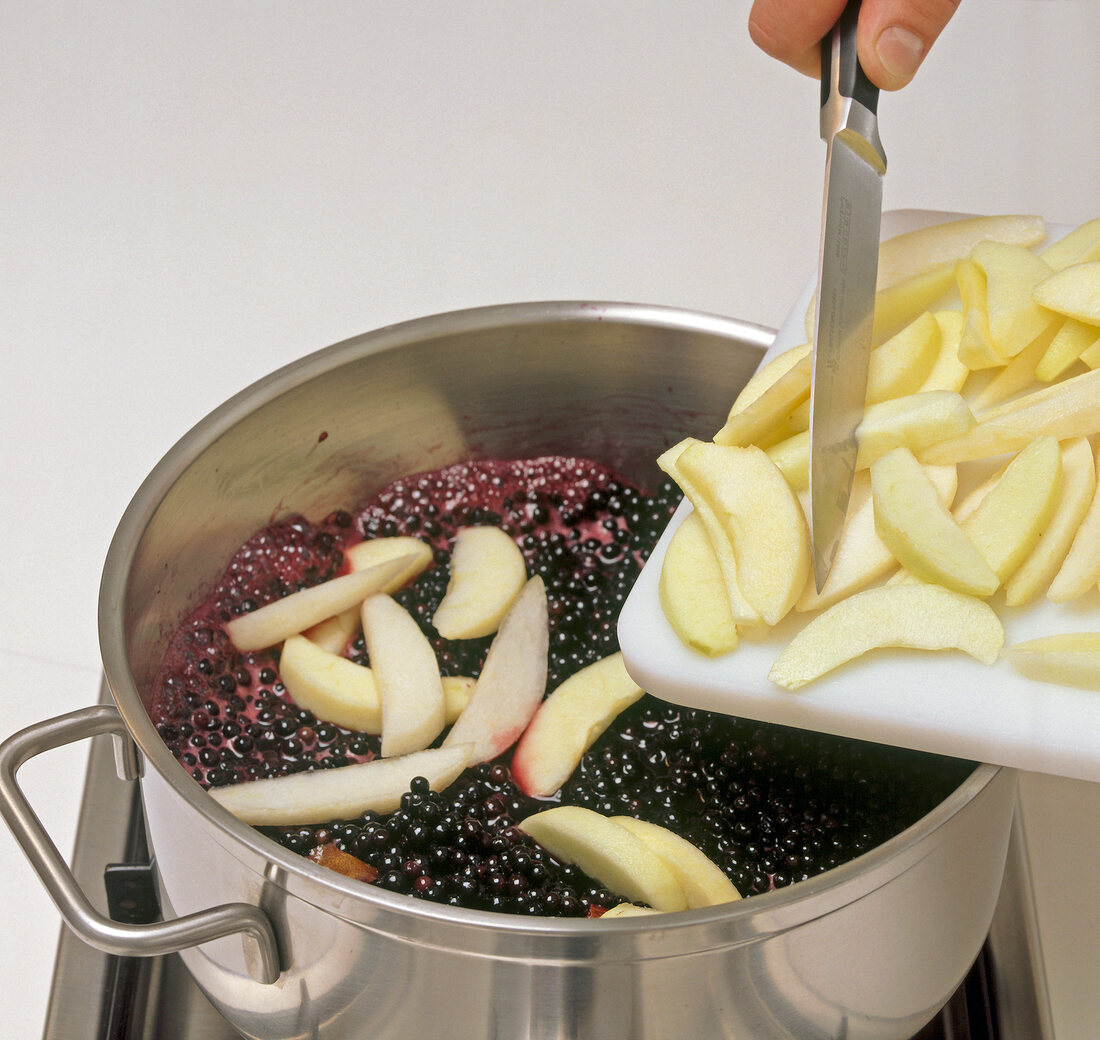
pixel 944 701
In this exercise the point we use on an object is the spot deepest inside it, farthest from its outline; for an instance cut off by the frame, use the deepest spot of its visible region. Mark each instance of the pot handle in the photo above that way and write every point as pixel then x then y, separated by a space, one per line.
pixel 98 931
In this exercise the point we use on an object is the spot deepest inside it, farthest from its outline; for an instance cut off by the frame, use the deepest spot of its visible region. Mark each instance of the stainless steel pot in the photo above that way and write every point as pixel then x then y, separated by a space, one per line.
pixel 285 948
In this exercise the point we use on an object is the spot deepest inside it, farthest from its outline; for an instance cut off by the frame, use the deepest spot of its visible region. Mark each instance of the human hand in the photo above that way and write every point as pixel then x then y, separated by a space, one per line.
pixel 893 38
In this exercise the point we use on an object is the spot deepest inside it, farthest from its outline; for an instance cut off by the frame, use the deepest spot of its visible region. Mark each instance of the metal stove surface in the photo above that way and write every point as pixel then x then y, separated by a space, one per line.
pixel 96 996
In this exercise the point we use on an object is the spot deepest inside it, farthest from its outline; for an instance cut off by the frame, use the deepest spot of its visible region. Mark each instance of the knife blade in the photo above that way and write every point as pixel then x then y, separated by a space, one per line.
pixel 847 270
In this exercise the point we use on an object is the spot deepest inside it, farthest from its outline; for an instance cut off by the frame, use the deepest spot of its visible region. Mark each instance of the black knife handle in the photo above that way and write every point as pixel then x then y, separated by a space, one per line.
pixel 852 81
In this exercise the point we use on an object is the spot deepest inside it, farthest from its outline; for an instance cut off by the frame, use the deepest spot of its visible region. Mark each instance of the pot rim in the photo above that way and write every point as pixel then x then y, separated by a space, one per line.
pixel 773 911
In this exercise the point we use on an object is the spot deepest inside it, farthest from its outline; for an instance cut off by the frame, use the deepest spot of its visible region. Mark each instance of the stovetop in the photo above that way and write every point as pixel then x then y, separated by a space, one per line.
pixel 96 996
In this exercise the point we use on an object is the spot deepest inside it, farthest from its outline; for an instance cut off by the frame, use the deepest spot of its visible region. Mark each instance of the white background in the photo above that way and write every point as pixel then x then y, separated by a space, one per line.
pixel 194 193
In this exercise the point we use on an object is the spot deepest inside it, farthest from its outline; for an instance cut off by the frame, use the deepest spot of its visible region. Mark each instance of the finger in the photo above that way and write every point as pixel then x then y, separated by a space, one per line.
pixel 894 37
pixel 792 31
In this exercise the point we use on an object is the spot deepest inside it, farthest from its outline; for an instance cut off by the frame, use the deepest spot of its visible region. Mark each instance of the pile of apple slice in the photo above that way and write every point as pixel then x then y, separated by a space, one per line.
pixel 986 372
pixel 401 696
pixel 647 863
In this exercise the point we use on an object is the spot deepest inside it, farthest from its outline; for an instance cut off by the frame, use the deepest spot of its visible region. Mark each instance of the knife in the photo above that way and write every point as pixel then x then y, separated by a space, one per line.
pixel 847 271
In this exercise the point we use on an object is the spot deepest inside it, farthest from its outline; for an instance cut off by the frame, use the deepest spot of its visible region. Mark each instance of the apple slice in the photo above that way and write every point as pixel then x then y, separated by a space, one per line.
pixel 458 691
pixel 335 633
pixel 909 614
pixel 797 422
pixel 627 910
pixel 669 462
pixel 703 881
pixel 404 666
pixel 1069 342
pixel 1017 375
pixel 1073 291
pixel 925 249
pixel 756 420
pixel 487 573
pixel 947 371
pixel 767 374
pixel 1034 575
pixel 1070 408
pixel 692 591
pixel 339 794
pixel 862 556
pixel 512 681
pixel 1067 659
pixel 295 613
pixel 1080 571
pixel 976 348
pixel 900 365
pixel 568 722
pixel 608 852
pixel 916 527
pixel 1080 245
pixel 366 554
pixel 332 687
pixel 1007 524
pixel 912 422
pixel 1011 273
pixel 964 509
pixel 1091 356
pixel 341 691
pixel 897 305
pixel 762 519
pixel 792 457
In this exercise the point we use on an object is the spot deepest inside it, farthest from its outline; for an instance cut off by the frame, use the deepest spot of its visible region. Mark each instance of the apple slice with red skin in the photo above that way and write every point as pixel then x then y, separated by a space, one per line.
pixel 413 706
pixel 295 613
pixel 512 681
pixel 340 794
pixel 568 722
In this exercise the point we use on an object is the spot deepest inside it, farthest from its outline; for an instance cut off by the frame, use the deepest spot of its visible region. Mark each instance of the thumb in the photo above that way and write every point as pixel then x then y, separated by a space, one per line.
pixel 894 37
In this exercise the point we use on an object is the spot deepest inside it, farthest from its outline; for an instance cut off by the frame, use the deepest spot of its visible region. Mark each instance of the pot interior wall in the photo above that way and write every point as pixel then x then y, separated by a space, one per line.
pixel 331 430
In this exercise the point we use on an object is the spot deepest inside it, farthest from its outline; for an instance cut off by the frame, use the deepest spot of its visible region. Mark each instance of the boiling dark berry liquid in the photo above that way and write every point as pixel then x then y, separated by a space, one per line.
pixel 770 805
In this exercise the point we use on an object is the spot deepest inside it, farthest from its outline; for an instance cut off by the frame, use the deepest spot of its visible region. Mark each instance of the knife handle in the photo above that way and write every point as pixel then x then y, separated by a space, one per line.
pixel 840 63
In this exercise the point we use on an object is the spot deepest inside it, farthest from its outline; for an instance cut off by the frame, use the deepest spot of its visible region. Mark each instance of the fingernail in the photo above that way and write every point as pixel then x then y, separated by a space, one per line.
pixel 900 51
